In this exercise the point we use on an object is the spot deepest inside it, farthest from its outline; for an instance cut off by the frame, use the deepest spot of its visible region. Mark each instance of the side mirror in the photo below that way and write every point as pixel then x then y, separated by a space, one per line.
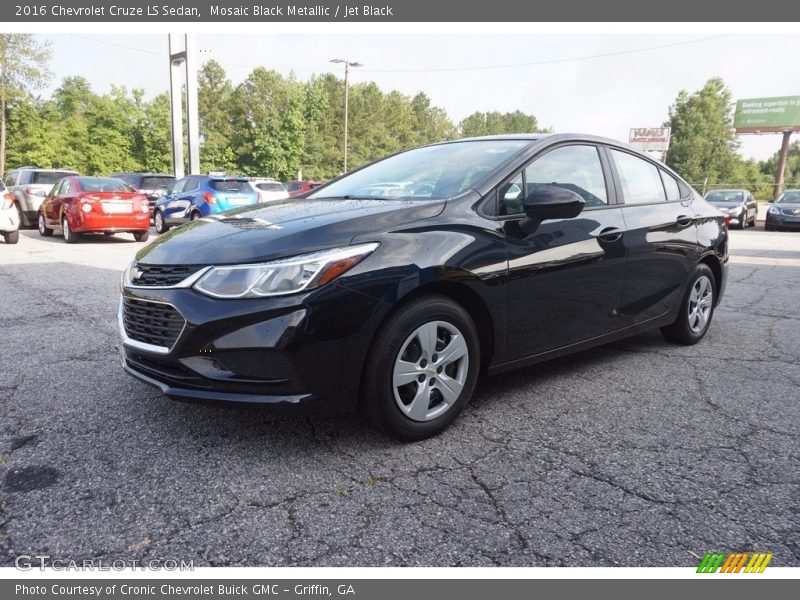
pixel 552 202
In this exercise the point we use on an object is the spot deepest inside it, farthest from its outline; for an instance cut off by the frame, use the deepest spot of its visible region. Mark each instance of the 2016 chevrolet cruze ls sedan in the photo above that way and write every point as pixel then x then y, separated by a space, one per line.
pixel 396 285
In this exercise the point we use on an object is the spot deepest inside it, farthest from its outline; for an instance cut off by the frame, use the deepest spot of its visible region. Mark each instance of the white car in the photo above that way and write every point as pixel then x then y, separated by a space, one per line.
pixel 269 190
pixel 9 216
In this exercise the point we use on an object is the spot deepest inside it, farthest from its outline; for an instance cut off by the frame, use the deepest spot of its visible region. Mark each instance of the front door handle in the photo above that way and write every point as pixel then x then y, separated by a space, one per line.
pixel 611 234
pixel 684 220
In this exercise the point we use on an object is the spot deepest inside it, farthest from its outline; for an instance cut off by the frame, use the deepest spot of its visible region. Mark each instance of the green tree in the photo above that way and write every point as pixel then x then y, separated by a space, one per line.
pixel 791 176
pixel 494 123
pixel 216 129
pixel 23 67
pixel 703 143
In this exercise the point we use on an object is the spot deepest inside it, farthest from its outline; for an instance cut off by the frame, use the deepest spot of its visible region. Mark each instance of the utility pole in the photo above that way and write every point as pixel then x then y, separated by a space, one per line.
pixel 347 65
pixel 781 164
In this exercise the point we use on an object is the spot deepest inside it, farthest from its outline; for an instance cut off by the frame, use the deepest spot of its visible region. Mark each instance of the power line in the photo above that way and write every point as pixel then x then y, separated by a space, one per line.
pixel 106 42
pixel 549 61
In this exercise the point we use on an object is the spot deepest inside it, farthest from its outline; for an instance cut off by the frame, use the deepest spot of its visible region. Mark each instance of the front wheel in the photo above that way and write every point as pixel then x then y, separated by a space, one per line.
pixel 697 309
pixel 11 237
pixel 44 230
pixel 141 236
pixel 422 369
pixel 159 223
pixel 69 236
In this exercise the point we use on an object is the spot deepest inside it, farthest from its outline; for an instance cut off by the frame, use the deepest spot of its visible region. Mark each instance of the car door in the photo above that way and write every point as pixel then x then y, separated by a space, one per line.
pixel 752 208
pixel 67 196
pixel 49 205
pixel 173 207
pixel 661 236
pixel 566 276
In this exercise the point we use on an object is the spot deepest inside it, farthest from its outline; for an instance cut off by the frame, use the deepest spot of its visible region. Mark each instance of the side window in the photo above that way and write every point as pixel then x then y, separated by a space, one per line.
pixel 177 187
pixel 640 180
pixel 671 186
pixel 575 168
pixel 24 178
pixel 65 187
pixel 190 184
pixel 11 179
pixel 57 188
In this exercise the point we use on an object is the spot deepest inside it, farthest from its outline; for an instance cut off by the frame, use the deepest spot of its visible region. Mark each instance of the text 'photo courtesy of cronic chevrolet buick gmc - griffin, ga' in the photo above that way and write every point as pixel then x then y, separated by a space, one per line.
pixel 394 287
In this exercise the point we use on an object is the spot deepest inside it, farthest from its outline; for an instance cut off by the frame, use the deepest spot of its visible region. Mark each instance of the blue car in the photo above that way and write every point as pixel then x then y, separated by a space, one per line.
pixel 198 196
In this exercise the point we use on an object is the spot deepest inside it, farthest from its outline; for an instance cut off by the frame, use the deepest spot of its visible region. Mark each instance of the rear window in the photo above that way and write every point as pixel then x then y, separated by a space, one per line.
pixel 230 185
pixel 48 177
pixel 270 187
pixel 294 187
pixel 156 183
pixel 100 184
pixel 724 196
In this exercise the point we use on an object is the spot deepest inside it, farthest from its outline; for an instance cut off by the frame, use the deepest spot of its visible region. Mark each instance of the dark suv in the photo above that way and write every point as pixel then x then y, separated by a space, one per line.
pixel 151 185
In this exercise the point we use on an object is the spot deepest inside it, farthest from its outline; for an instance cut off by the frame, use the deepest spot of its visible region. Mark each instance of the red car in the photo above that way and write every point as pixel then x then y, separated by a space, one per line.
pixel 79 205
pixel 297 188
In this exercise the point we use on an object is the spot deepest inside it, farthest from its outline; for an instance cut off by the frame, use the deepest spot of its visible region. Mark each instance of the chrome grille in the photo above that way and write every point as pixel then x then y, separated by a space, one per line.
pixel 161 275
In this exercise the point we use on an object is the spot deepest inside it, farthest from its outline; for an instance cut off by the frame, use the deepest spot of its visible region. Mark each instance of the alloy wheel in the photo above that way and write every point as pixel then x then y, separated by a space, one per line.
pixel 701 299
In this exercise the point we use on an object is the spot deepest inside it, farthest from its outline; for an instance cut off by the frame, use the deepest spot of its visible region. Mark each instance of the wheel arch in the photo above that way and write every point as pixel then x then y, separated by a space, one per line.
pixel 713 262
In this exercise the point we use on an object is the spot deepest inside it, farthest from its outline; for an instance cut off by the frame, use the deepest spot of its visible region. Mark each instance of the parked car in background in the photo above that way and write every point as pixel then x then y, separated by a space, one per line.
pixel 9 217
pixel 30 185
pixel 784 212
pixel 198 196
pixel 298 188
pixel 739 204
pixel 79 205
pixel 151 185
pixel 269 190
pixel 525 248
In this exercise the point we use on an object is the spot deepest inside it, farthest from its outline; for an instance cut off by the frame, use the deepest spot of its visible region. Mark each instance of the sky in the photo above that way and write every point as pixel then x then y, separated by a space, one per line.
pixel 630 84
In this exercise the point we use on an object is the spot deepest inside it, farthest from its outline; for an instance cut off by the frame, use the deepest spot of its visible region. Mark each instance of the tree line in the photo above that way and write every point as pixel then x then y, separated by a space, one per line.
pixel 276 125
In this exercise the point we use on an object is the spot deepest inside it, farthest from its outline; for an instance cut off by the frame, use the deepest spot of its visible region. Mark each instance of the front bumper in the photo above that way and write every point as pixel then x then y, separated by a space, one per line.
pixel 9 220
pixel 278 350
pixel 782 221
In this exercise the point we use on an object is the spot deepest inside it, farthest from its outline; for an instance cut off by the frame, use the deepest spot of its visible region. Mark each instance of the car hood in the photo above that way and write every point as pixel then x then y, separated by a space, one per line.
pixel 727 204
pixel 281 228
pixel 787 205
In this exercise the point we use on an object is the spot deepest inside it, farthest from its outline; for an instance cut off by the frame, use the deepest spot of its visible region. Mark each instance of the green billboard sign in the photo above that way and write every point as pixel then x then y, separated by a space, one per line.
pixel 767 114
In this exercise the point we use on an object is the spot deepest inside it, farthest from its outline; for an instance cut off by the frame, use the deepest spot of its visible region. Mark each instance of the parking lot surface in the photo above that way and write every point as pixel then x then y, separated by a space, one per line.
pixel 636 453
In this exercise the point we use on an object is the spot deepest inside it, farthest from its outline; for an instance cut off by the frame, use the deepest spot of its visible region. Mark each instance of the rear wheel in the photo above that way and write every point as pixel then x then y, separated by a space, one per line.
pixel 44 230
pixel 743 221
pixel 697 309
pixel 11 237
pixel 195 216
pixel 422 369
pixel 23 220
pixel 69 236
pixel 141 236
pixel 158 222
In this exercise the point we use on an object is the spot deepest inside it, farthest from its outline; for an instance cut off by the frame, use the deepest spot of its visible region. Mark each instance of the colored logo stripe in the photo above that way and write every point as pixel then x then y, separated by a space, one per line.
pixel 734 562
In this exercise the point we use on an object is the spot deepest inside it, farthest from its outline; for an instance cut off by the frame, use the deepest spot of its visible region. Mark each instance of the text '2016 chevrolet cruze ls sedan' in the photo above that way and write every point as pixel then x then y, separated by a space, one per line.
pixel 394 286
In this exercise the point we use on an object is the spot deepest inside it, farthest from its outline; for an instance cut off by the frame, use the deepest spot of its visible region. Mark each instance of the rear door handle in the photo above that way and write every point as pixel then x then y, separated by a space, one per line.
pixel 684 220
pixel 611 234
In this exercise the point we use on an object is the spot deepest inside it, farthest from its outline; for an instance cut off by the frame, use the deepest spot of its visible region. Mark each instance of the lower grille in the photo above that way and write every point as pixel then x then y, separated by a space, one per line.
pixel 151 323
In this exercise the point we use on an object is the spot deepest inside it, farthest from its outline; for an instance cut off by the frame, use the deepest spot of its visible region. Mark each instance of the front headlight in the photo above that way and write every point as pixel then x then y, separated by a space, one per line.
pixel 281 277
pixel 774 210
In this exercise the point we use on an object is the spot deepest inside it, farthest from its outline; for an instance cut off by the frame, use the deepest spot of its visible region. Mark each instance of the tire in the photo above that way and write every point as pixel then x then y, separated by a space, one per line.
pixel 195 216
pixel 44 230
pixel 23 220
pixel 141 236
pixel 159 223
pixel 11 237
pixel 405 339
pixel 693 322
pixel 69 236
pixel 743 222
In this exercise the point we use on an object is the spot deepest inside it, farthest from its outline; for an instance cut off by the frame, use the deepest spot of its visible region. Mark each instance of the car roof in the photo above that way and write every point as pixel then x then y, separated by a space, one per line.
pixel 533 138
pixel 727 190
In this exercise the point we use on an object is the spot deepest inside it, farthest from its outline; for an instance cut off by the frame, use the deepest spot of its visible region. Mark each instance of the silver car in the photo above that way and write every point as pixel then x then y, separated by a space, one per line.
pixel 739 204
pixel 9 218
pixel 30 185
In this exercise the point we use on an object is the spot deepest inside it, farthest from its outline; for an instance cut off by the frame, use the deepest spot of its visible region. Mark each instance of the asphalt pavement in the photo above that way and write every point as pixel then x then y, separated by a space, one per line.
pixel 639 453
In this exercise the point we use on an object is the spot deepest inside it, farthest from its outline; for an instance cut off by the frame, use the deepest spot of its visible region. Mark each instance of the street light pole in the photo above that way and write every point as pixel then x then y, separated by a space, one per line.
pixel 347 65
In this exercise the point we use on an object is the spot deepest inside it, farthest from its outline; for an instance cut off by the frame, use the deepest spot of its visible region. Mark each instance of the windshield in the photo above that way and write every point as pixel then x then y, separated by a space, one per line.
pixel 98 184
pixel 425 173
pixel 789 197
pixel 48 177
pixel 156 183
pixel 723 197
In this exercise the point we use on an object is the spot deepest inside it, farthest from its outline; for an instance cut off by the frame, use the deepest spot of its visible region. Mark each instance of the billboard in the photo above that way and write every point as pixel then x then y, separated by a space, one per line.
pixel 650 139
pixel 756 115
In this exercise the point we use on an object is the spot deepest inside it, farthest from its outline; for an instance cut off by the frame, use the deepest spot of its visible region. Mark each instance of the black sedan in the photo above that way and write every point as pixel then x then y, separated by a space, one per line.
pixel 784 212
pixel 394 286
